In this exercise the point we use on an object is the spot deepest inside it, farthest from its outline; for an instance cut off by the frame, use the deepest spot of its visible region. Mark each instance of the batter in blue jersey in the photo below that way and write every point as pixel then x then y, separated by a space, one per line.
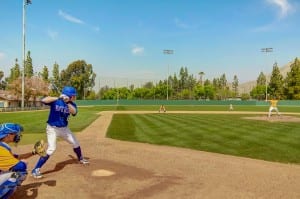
pixel 57 126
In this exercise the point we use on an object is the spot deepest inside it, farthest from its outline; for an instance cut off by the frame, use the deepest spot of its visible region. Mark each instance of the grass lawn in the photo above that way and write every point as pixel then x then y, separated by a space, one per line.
pixel 294 109
pixel 34 122
pixel 226 134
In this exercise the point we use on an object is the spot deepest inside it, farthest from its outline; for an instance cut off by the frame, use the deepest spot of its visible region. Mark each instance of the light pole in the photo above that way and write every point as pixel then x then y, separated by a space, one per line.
pixel 25 3
pixel 266 50
pixel 168 52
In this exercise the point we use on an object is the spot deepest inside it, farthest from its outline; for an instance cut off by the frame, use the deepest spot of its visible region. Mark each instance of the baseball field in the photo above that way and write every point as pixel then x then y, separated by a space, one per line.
pixel 187 152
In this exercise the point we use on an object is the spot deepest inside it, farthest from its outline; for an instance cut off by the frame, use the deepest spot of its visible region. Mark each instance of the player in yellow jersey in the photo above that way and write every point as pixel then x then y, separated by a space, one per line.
pixel 273 106
pixel 11 133
pixel 162 108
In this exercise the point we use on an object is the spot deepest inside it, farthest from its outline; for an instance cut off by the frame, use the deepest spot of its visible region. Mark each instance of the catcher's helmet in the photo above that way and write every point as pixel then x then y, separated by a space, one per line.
pixel 8 128
pixel 69 91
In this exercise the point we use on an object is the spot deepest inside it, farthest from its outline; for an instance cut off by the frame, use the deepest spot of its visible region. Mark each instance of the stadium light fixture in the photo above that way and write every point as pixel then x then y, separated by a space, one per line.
pixel 168 52
pixel 25 3
pixel 266 50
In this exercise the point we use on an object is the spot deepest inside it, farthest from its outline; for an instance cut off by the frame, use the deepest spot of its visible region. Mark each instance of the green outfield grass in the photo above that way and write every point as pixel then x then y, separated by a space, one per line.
pixel 227 134
pixel 222 133
pixel 34 122
pixel 294 109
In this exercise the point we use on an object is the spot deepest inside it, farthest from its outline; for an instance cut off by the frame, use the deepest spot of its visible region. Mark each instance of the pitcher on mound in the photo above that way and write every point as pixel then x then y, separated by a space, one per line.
pixel 273 106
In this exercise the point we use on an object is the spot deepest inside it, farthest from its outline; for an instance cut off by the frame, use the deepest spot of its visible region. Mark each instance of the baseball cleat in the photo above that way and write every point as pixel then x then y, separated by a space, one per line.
pixel 84 161
pixel 36 173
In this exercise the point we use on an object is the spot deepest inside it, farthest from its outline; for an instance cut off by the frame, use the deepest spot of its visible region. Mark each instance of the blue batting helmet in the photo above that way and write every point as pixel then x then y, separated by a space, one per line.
pixel 8 128
pixel 69 91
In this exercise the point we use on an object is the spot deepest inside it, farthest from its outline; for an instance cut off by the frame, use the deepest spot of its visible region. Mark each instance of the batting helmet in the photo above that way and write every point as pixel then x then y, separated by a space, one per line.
pixel 8 128
pixel 69 91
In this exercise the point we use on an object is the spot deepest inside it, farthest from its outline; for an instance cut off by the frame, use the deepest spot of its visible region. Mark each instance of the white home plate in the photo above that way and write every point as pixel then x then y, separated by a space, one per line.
pixel 102 172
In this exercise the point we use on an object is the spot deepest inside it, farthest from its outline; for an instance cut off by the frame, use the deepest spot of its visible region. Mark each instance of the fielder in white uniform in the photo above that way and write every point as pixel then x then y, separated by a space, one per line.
pixel 57 126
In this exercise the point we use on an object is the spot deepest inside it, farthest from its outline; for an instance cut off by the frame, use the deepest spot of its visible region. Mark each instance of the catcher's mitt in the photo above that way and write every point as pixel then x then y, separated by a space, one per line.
pixel 39 148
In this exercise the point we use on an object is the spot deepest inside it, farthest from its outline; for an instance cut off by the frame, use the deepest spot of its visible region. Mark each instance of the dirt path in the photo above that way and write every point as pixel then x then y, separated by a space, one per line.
pixel 126 170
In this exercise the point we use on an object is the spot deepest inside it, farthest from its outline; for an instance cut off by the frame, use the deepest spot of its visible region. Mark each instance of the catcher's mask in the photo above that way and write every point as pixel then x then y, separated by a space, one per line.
pixel 11 128
pixel 69 91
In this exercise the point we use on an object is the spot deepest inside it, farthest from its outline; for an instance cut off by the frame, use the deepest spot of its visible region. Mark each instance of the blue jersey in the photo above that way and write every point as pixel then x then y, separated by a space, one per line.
pixel 59 113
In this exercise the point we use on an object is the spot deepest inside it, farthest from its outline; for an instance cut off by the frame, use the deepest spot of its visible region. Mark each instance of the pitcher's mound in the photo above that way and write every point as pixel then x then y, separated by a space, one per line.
pixel 275 118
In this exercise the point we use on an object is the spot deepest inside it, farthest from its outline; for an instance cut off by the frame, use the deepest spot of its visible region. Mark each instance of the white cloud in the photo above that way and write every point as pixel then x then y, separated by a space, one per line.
pixel 69 17
pixel 52 34
pixel 284 7
pixel 137 50
pixel 2 55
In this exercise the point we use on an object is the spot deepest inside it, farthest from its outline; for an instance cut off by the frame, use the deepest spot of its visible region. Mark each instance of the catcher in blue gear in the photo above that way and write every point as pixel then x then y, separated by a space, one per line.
pixel 11 133
pixel 57 126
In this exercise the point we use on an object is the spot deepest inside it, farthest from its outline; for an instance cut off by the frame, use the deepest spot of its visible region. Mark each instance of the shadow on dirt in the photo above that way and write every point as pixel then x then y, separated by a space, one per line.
pixel 59 166
pixel 30 191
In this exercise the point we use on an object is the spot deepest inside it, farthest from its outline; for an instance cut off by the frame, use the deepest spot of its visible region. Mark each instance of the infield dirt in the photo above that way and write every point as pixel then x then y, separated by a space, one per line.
pixel 148 171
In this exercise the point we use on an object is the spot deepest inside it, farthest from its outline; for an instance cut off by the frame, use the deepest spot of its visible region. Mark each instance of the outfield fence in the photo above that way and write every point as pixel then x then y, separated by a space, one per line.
pixel 291 103
pixel 184 102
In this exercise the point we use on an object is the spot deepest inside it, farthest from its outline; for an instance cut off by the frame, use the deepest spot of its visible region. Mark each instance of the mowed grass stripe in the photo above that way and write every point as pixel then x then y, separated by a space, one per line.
pixel 160 131
pixel 148 131
pixel 123 128
pixel 226 134
pixel 214 133
pixel 263 139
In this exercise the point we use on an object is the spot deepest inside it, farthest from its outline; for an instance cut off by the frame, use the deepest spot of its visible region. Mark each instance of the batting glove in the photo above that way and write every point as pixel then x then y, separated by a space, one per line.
pixel 64 97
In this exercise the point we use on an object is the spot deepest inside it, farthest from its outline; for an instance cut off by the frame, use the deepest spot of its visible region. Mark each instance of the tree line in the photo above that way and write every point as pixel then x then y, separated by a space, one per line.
pixel 78 74
pixel 186 86
pixel 279 87
pixel 179 86
pixel 183 85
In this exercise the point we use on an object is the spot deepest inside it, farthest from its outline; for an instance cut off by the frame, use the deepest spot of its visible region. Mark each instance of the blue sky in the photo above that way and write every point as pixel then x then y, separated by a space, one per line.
pixel 125 39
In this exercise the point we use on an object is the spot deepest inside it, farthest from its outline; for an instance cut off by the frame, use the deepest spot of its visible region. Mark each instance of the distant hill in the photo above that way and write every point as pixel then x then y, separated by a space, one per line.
pixel 247 86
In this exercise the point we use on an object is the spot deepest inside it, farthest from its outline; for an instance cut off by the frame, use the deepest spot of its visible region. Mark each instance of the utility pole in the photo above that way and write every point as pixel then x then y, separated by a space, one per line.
pixel 266 50
pixel 168 52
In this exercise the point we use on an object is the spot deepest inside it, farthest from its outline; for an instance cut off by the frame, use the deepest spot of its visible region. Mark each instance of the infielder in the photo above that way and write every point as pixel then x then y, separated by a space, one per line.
pixel 162 108
pixel 230 107
pixel 57 126
pixel 273 106
pixel 11 133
